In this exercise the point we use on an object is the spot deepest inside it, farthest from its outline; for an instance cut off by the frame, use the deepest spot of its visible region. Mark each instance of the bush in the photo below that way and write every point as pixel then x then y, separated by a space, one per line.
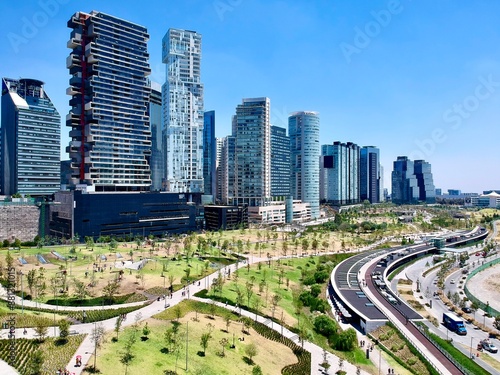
pixel 325 325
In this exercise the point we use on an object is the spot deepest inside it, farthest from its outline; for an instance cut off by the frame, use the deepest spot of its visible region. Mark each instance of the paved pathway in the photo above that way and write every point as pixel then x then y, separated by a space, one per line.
pixel 86 349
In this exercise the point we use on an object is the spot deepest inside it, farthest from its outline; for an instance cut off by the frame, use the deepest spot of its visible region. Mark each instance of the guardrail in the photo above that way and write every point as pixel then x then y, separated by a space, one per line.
pixel 407 338
pixel 444 352
pixel 471 297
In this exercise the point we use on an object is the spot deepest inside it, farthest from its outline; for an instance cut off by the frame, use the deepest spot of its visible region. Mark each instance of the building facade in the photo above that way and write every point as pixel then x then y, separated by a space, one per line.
pixel 110 145
pixel 157 144
pixel 183 114
pixel 253 152
pixel 218 169
pixel 30 136
pixel 209 154
pixel 340 173
pixel 227 170
pixel 425 182
pixel 303 129
pixel 280 162
pixel 369 174
pixel 404 182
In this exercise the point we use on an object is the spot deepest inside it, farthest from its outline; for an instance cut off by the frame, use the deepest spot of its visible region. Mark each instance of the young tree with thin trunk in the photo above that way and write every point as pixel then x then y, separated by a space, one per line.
pixel 251 351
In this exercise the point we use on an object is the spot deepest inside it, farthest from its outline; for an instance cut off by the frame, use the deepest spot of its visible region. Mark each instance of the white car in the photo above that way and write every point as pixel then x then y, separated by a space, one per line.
pixel 489 346
pixel 452 281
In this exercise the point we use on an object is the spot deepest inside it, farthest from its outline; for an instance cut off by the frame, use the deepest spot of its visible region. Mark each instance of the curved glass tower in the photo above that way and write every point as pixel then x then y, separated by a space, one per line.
pixel 303 129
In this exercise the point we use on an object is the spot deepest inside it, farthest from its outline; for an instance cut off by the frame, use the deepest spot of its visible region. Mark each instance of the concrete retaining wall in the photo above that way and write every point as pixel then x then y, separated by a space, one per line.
pixel 19 221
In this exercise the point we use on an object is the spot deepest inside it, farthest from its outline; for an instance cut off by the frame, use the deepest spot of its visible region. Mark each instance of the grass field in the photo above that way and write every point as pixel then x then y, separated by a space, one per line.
pixel 150 356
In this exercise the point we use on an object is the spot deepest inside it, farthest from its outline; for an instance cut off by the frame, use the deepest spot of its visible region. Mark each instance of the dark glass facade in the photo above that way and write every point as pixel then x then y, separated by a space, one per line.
pixel 209 153
pixel 369 174
pixel 122 214
pixel 426 189
pixel 404 183
pixel 280 162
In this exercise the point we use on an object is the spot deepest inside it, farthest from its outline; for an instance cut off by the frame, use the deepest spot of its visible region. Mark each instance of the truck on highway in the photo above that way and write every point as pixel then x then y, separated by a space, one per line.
pixel 454 323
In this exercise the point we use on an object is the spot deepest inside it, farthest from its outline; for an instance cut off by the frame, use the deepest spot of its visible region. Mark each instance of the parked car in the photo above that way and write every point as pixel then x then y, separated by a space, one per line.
pixel 466 309
pixel 489 346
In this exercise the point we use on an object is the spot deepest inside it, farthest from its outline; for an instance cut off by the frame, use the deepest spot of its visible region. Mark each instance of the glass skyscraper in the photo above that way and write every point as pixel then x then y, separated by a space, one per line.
pixel 369 174
pixel 303 130
pixel 157 142
pixel 209 154
pixel 29 139
pixel 183 111
pixel 404 182
pixel 340 173
pixel 253 152
pixel 280 162
pixel 426 188
pixel 110 133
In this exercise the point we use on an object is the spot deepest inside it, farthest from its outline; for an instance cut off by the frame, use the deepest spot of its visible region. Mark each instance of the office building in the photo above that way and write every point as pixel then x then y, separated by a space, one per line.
pixel 405 188
pixel 253 152
pixel 124 215
pixel 303 130
pixel 110 145
pixel 339 164
pixel 157 144
pixel 209 154
pixel 280 162
pixel 369 174
pixel 426 188
pixel 183 111
pixel 30 136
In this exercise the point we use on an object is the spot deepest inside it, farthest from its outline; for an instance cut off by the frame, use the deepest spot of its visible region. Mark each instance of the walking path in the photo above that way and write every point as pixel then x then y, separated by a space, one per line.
pixel 86 348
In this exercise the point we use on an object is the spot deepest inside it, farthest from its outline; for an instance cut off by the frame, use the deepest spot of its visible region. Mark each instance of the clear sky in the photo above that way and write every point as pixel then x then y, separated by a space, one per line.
pixel 414 78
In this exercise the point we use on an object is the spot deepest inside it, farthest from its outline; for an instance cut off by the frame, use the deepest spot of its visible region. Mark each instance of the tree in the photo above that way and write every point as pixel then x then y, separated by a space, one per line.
pixel 496 322
pixel 126 355
pixel 118 324
pixel 41 330
pixel 256 370
pixel 223 342
pixel 251 351
pixel 274 301
pixel 227 320
pixel 31 278
pixel 64 330
pixel 205 338
pixel 145 332
pixel 111 290
pixel 36 363
pixel 80 289
pixel 96 336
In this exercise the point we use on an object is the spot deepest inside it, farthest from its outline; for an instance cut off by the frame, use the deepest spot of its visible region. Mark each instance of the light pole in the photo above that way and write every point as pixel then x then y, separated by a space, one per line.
pixel 470 347
pixel 22 293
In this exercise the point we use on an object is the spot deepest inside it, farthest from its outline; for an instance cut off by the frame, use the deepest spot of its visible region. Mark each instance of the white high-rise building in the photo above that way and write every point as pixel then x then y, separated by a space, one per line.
pixel 183 111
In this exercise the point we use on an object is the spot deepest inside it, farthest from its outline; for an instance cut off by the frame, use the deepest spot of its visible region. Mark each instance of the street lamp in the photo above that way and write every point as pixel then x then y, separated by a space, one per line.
pixel 470 353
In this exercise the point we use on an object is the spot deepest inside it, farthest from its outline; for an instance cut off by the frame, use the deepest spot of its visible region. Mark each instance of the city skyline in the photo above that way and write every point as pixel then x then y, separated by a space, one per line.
pixel 376 75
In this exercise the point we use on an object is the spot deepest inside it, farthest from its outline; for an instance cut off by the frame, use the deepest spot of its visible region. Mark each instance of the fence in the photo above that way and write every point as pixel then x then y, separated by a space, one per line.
pixel 485 307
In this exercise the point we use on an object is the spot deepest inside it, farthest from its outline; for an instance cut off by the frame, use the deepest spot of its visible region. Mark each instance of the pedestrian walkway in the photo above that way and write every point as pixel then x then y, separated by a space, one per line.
pixel 86 349
pixel 5 369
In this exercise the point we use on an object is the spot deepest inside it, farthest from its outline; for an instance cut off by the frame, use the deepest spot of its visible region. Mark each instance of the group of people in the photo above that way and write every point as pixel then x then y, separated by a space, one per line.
pixel 64 372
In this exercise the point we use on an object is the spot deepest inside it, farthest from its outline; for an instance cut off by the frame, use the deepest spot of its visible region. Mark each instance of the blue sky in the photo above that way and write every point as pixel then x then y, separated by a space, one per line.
pixel 415 78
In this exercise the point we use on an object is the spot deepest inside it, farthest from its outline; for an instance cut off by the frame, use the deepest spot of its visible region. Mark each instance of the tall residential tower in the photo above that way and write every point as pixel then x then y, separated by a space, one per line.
pixel 110 134
pixel 303 130
pixel 253 152
pixel 183 111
